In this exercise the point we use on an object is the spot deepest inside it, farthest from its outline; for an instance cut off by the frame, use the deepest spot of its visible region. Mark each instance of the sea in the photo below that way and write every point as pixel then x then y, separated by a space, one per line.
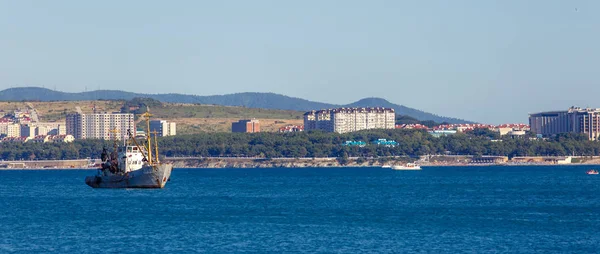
pixel 476 209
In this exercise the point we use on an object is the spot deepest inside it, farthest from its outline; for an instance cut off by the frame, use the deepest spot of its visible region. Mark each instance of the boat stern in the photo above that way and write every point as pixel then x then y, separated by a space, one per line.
pixel 163 174
pixel 93 181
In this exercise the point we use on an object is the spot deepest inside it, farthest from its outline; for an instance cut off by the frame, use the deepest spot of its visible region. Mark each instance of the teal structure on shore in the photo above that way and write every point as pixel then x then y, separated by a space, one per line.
pixel 385 142
pixel 354 143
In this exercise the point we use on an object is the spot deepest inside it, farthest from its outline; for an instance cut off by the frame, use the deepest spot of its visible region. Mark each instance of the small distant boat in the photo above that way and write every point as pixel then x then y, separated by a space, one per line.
pixel 386 166
pixel 408 166
pixel 592 172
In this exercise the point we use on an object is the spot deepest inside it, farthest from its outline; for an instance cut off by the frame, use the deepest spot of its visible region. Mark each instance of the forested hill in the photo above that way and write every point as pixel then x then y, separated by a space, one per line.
pixel 251 100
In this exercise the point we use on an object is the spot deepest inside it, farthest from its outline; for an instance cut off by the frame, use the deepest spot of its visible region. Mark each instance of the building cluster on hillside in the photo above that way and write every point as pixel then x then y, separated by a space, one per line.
pixel 503 129
pixel 448 129
pixel 110 126
pixel 343 120
pixel 41 139
pixel 572 120
pixel 25 123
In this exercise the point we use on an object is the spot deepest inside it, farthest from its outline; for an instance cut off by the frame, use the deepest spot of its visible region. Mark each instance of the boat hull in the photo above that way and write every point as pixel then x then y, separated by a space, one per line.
pixel 406 168
pixel 155 176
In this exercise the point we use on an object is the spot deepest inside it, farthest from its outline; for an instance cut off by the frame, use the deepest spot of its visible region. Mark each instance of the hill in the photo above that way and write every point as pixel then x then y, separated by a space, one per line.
pixel 406 111
pixel 250 100
pixel 190 118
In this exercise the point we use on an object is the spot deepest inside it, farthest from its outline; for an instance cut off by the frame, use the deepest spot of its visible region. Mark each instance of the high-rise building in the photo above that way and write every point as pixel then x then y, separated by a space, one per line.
pixel 84 126
pixel 28 131
pixel 344 120
pixel 246 126
pixel 574 120
pixel 163 128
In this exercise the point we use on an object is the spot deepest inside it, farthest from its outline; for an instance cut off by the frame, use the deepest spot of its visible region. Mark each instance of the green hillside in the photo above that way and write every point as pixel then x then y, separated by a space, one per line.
pixel 249 100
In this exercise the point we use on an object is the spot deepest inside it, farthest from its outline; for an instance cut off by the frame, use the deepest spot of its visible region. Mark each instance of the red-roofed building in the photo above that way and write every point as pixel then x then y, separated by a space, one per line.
pixel 412 126
pixel 61 139
pixel 40 139
pixel 6 120
pixel 16 139
pixel 292 128
pixel 53 138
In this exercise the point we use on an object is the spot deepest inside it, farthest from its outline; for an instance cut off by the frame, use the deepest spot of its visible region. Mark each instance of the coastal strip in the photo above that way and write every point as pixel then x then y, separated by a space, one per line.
pixel 245 162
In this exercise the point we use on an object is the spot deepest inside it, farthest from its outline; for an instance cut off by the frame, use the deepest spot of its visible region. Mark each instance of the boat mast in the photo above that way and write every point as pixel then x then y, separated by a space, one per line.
pixel 156 146
pixel 114 131
pixel 147 115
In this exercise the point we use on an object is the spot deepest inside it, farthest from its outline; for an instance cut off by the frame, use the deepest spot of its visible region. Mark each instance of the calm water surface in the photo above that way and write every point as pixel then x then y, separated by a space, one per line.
pixel 347 210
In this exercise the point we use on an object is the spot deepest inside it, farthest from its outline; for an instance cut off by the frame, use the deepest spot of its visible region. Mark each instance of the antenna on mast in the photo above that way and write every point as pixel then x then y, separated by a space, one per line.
pixel 114 132
pixel 155 146
pixel 147 116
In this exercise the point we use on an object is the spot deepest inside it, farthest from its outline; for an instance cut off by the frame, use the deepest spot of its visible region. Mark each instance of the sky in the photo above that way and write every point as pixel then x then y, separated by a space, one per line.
pixel 485 61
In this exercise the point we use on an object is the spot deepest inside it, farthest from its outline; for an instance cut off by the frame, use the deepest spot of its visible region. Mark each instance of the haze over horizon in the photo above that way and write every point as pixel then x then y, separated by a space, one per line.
pixel 490 62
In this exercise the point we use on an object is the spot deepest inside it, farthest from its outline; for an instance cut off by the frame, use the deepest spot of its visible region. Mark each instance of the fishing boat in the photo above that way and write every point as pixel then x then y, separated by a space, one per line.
pixel 407 166
pixel 131 165
pixel 592 172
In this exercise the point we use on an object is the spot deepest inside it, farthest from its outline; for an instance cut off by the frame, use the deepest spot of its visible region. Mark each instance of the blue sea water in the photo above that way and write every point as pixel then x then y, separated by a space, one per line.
pixel 519 209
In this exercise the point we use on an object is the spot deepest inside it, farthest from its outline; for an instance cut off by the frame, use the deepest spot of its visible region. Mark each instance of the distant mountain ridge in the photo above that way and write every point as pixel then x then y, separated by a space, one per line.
pixel 250 100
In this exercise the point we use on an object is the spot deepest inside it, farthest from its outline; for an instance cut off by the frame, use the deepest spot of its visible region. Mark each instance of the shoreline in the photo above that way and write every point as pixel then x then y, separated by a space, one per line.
pixel 423 166
pixel 215 165
pixel 236 162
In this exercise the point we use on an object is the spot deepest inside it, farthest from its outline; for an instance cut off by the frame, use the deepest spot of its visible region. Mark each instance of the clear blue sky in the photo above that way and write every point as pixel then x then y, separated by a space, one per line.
pixel 487 61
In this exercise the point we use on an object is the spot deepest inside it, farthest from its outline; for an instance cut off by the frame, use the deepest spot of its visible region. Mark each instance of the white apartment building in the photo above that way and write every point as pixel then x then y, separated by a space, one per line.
pixel 50 128
pixel 163 128
pixel 10 130
pixel 36 129
pixel 99 125
pixel 344 120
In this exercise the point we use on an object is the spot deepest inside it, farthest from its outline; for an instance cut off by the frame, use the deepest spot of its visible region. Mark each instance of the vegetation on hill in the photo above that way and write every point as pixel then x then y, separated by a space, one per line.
pixel 319 144
pixel 401 110
pixel 190 118
pixel 404 119
pixel 140 105
pixel 180 110
pixel 249 100
pixel 57 111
